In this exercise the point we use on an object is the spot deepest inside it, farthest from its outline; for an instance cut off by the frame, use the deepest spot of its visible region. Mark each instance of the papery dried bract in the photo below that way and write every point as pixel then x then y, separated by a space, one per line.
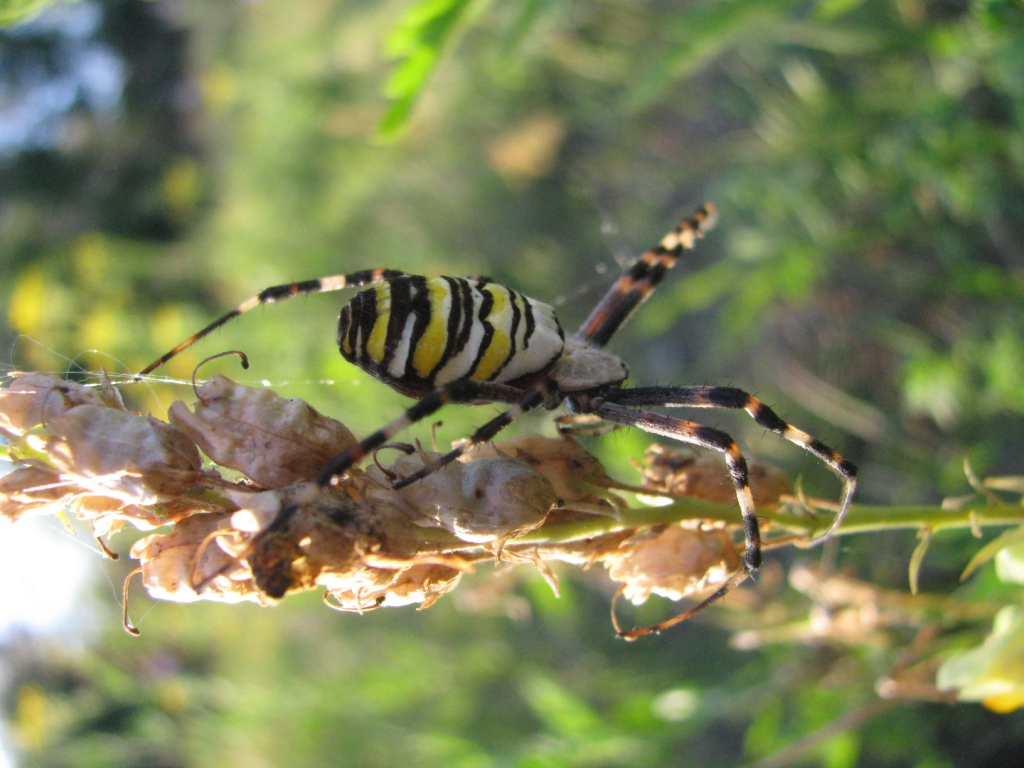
pixel 578 479
pixel 174 563
pixel 108 514
pixel 415 584
pixel 585 551
pixel 31 488
pixel 33 399
pixel 674 562
pixel 686 472
pixel 320 535
pixel 480 500
pixel 363 552
pixel 272 440
pixel 136 459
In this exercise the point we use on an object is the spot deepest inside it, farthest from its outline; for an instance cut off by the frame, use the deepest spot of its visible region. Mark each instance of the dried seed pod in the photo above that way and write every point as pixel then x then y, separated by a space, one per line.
pixel 304 536
pixel 31 488
pixel 174 564
pixel 136 459
pixel 585 552
pixel 578 479
pixel 416 583
pixel 108 514
pixel 270 439
pixel 480 500
pixel 673 562
pixel 33 399
pixel 364 552
pixel 688 472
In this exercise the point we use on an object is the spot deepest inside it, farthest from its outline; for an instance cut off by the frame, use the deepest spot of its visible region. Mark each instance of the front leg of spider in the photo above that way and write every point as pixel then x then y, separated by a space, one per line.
pixel 540 394
pixel 462 391
pixel 274 295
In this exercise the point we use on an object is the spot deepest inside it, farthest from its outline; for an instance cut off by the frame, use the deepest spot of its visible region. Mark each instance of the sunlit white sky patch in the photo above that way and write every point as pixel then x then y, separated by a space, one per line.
pixel 44 570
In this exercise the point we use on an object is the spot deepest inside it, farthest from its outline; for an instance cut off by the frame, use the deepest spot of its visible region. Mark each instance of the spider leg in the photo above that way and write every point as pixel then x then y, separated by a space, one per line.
pixel 460 391
pixel 639 282
pixel 280 293
pixel 705 437
pixel 730 397
pixel 533 397
pixel 632 634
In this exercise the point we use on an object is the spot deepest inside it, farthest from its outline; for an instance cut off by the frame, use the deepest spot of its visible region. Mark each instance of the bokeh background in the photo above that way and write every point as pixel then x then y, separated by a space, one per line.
pixel 161 161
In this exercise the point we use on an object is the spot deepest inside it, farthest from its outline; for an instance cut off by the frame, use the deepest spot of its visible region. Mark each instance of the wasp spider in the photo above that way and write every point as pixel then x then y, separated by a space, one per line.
pixel 469 340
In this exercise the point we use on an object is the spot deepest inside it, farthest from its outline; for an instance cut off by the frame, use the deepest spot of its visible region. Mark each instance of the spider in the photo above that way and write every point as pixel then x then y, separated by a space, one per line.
pixel 469 340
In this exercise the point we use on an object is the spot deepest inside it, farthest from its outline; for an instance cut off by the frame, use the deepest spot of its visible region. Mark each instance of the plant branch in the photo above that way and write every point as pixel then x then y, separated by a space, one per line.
pixel 861 518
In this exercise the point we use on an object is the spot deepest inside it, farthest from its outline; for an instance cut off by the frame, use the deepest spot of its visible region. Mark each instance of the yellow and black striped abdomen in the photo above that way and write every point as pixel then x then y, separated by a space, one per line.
pixel 417 333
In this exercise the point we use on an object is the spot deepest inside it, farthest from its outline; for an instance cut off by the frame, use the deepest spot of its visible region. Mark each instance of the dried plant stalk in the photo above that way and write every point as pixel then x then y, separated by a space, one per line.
pixel 253 525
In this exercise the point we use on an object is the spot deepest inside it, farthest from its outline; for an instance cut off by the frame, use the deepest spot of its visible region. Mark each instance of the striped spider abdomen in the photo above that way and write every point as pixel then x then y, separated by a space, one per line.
pixel 417 333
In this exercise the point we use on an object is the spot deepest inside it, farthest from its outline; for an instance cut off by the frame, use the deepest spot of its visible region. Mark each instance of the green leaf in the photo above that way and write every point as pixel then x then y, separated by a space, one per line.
pixel 914 569
pixel 993 548
pixel 421 36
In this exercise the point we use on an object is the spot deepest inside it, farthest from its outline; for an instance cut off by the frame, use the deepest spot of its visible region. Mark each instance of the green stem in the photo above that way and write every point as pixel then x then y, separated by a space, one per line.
pixel 861 518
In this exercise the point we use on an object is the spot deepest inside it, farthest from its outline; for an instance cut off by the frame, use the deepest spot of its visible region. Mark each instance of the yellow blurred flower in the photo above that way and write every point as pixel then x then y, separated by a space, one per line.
pixel 992 673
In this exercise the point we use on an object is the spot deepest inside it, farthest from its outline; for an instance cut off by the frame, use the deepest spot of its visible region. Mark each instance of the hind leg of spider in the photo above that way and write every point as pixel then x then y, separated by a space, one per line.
pixel 632 634
pixel 730 397
pixel 705 437
pixel 279 293
pixel 639 282
pixel 462 391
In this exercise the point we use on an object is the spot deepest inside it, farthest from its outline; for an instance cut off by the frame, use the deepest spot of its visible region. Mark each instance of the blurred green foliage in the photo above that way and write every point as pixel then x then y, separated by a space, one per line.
pixel 866 277
pixel 13 11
